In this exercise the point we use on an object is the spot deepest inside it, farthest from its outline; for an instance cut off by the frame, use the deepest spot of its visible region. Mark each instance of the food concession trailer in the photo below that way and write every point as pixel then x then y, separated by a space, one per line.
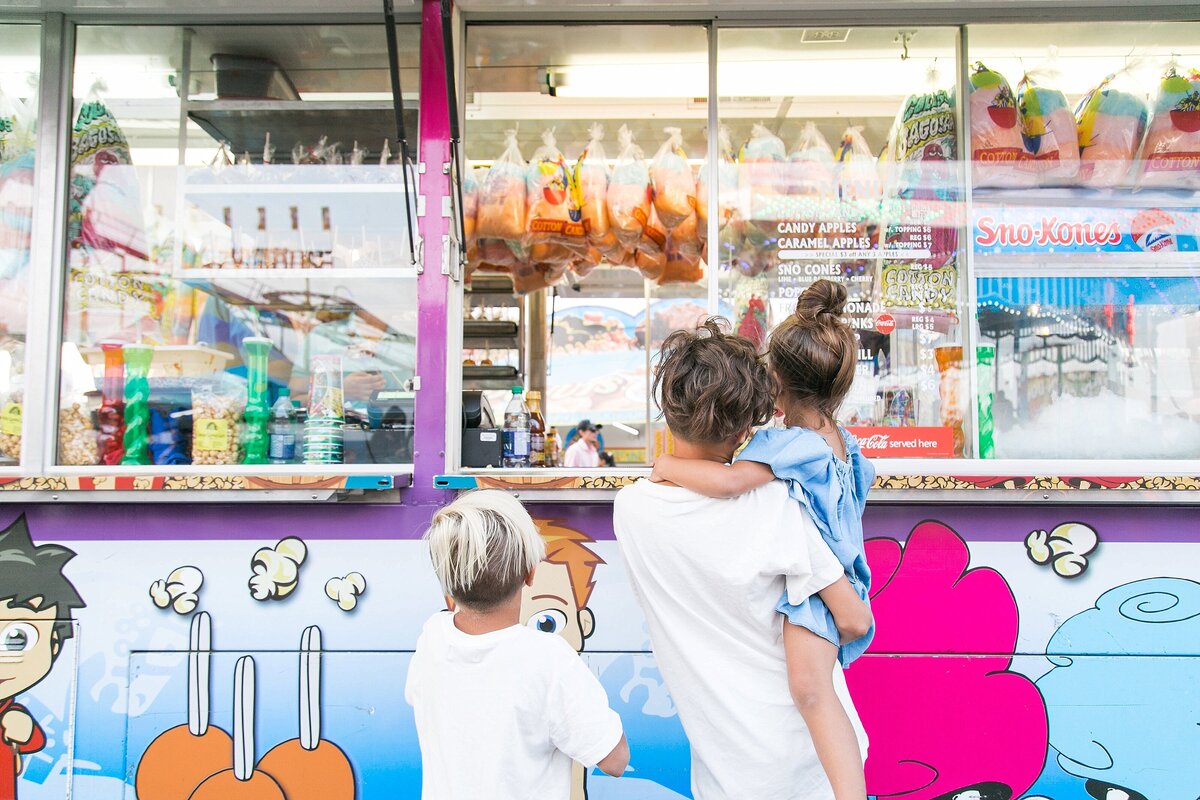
pixel 254 258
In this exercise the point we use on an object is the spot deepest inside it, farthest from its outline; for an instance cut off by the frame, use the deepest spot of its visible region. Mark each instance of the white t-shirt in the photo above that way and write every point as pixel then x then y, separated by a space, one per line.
pixel 501 715
pixel 707 574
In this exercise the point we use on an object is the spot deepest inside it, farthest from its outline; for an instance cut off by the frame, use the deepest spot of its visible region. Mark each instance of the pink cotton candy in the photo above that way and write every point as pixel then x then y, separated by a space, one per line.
pixel 942 723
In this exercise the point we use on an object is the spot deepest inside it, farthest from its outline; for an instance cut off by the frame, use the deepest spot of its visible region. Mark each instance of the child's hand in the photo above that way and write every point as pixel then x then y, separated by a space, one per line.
pixel 17 726
pixel 661 466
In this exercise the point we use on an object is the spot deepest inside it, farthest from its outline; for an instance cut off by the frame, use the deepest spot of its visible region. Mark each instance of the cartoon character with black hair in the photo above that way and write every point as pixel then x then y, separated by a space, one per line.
pixel 36 601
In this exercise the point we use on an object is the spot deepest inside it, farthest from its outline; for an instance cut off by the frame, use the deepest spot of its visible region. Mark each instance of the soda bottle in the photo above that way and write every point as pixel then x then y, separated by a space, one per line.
pixel 553 448
pixel 281 431
pixel 537 431
pixel 516 431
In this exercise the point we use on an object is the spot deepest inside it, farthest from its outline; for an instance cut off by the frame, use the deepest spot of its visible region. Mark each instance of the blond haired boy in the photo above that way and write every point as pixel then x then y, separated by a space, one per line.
pixel 501 709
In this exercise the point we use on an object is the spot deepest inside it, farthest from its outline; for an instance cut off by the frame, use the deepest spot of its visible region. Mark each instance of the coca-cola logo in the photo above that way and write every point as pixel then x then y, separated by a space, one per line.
pixel 1049 231
pixel 876 441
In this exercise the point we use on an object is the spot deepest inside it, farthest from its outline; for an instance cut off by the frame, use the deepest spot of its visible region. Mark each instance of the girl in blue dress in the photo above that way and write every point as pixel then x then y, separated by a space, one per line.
pixel 813 355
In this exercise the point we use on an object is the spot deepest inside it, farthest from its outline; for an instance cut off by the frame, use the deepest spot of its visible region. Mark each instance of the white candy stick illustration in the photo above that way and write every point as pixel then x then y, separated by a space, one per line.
pixel 309 767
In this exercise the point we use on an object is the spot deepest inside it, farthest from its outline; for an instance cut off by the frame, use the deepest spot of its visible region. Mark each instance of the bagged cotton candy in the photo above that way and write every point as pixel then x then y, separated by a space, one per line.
pixel 764 184
pixel 106 207
pixel 1048 127
pixel 654 235
pixel 997 148
pixel 727 177
pixel 674 186
pixel 16 185
pixel 1171 154
pixel 553 214
pixel 470 201
pixel 629 191
pixel 500 209
pixel 858 185
pixel 810 169
pixel 591 179
pixel 681 266
pixel 1111 123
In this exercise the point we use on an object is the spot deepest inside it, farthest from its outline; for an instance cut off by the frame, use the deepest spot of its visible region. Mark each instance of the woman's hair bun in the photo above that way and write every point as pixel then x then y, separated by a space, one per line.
pixel 822 298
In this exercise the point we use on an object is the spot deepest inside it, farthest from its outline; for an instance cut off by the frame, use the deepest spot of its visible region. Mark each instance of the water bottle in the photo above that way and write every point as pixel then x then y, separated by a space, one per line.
pixel 281 431
pixel 516 431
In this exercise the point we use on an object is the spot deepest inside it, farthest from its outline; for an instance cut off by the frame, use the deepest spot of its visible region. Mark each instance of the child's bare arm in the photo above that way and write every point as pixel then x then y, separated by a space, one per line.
pixel 614 763
pixel 851 615
pixel 710 478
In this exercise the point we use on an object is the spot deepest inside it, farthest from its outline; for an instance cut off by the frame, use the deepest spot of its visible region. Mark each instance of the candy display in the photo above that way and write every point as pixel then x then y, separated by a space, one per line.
pixel 998 152
pixel 1111 123
pixel 672 180
pixel 629 191
pixel 500 210
pixel 137 399
pixel 470 192
pixel 553 214
pixel 1048 128
pixel 1171 154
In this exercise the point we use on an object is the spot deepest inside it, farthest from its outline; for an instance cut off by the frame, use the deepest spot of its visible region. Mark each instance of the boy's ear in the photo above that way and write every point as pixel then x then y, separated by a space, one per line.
pixel 587 622
pixel 55 644
pixel 529 577
pixel 449 602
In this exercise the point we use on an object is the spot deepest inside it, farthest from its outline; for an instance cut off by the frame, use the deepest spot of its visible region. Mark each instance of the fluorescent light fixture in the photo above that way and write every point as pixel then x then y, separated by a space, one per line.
pixel 880 73
pixel 625 428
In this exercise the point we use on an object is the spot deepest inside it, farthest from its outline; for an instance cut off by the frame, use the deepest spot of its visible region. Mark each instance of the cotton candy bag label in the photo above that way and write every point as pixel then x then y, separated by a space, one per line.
pixel 553 214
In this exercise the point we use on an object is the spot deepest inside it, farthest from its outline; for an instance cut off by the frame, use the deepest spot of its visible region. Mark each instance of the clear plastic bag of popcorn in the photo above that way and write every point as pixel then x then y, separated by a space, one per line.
pixel 216 417
pixel 77 445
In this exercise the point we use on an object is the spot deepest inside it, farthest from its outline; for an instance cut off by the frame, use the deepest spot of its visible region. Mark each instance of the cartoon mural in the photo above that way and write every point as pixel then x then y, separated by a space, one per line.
pixel 1124 693
pixel 992 677
pixel 36 615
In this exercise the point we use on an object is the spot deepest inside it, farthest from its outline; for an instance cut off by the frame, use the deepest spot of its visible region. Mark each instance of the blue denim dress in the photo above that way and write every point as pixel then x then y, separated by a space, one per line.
pixel 835 494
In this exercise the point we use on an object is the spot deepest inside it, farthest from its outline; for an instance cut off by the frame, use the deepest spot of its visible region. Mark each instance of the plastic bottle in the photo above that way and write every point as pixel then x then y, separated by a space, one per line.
pixel 281 431
pixel 516 431
pixel 537 431
pixel 553 448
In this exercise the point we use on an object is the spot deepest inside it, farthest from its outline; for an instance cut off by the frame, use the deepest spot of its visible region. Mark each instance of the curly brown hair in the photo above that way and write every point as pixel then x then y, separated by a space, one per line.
pixel 712 386
pixel 814 353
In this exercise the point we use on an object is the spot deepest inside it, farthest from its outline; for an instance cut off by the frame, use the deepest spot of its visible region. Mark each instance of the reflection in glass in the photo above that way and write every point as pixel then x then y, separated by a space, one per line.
pixel 18 129
pixel 844 165
pixel 237 246
pixel 1086 229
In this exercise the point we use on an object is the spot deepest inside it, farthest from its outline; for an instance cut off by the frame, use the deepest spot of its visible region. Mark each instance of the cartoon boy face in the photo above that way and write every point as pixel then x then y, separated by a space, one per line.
pixel 549 606
pixel 557 600
pixel 28 645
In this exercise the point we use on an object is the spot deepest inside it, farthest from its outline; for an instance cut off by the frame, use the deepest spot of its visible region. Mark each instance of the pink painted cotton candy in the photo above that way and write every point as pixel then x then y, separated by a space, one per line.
pixel 949 714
